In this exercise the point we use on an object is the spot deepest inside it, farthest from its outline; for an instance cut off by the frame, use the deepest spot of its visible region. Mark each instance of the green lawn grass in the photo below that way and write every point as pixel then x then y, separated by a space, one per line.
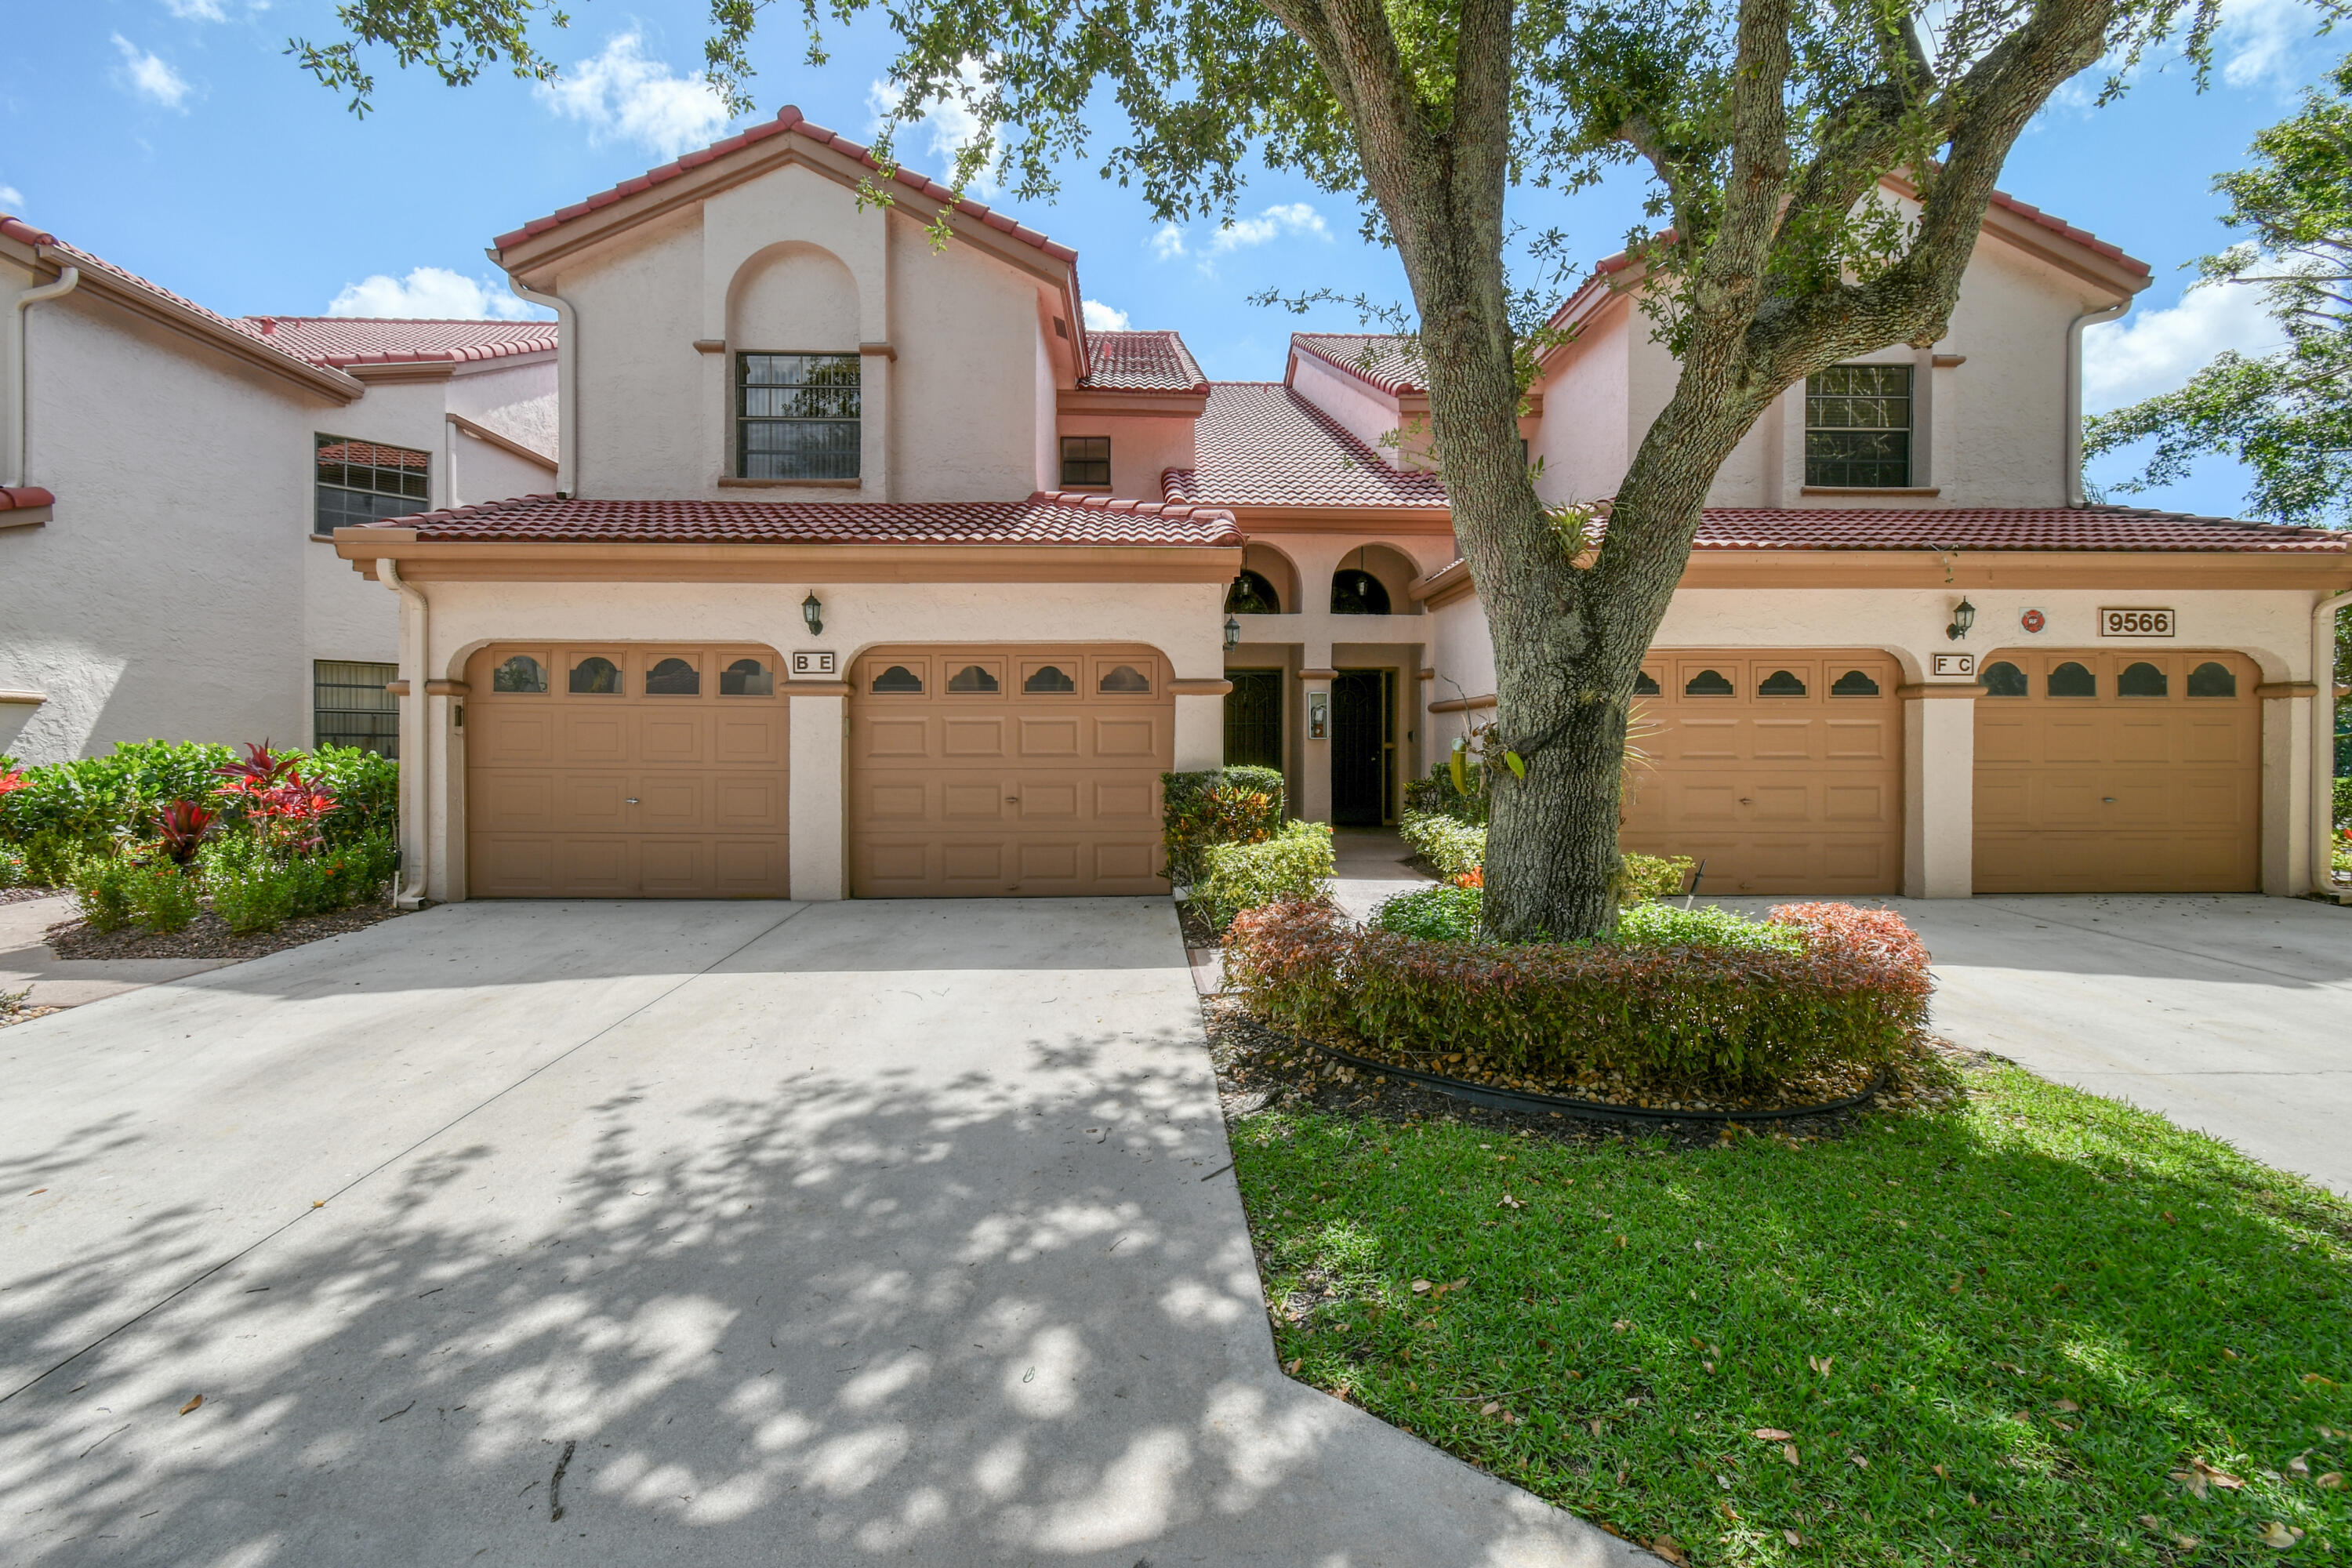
pixel 1994 1332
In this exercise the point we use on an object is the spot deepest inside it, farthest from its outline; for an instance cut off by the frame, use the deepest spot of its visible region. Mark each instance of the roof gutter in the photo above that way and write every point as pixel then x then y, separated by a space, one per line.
pixel 2323 742
pixel 2074 392
pixel 17 372
pixel 567 381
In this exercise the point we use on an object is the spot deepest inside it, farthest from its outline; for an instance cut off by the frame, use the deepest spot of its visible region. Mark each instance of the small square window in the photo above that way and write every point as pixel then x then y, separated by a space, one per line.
pixel 1086 460
pixel 360 482
pixel 349 707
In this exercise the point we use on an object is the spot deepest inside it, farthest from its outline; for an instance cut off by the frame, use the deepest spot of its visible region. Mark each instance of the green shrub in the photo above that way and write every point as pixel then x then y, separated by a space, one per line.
pixel 1436 796
pixel 2343 803
pixel 1441 913
pixel 1852 992
pixel 14 871
pixel 1293 865
pixel 68 809
pixel 354 873
pixel 1450 846
pixel 1448 913
pixel 258 896
pixel 1220 805
pixel 366 788
pixel 1654 876
pixel 102 885
pixel 164 897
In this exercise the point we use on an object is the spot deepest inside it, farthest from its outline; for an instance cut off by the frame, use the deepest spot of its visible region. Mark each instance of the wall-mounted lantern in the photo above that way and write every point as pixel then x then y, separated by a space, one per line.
pixel 1232 634
pixel 813 611
pixel 1964 616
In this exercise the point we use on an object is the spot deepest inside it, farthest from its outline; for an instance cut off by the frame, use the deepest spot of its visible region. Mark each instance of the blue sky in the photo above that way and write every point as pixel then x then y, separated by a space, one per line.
pixel 174 137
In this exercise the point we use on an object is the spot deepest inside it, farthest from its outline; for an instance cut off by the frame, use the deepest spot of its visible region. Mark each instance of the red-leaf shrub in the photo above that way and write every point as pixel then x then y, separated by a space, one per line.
pixel 1708 1017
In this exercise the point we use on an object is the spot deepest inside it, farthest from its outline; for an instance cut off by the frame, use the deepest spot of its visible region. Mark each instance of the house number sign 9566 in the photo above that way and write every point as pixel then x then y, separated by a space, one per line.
pixel 2141 622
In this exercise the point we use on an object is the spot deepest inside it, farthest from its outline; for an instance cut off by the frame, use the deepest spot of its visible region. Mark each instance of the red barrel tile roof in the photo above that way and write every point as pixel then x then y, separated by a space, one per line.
pixel 1142 362
pixel 342 341
pixel 1380 359
pixel 2103 528
pixel 1045 518
pixel 1261 444
pixel 22 497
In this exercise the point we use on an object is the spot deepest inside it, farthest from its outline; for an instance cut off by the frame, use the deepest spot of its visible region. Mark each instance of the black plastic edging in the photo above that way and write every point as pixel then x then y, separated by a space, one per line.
pixel 1495 1099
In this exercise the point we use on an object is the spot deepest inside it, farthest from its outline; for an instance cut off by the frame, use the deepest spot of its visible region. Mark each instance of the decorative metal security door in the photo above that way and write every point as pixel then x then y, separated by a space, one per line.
pixel 1253 719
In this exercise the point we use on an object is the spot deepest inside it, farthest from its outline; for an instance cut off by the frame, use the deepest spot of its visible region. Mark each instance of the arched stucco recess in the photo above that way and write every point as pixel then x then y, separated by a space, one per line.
pixel 1396 570
pixel 792 297
pixel 1277 567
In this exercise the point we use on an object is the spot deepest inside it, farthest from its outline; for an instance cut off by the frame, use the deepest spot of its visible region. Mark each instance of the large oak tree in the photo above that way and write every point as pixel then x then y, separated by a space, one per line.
pixel 1766 127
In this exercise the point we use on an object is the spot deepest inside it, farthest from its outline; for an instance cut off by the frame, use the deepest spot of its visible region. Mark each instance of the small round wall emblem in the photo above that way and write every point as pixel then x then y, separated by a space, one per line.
pixel 2031 621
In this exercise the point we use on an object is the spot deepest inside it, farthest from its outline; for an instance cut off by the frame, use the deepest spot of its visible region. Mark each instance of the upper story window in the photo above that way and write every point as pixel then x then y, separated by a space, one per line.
pixel 1858 426
pixel 1086 460
pixel 796 417
pixel 360 482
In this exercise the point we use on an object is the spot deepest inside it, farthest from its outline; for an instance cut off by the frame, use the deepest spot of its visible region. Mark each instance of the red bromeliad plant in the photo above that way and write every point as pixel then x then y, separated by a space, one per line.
pixel 182 826
pixel 1700 1017
pixel 288 813
pixel 12 781
pixel 261 769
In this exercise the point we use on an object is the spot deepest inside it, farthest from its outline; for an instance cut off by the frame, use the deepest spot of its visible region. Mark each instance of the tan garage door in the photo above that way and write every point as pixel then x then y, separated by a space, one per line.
pixel 624 770
pixel 1782 771
pixel 2118 771
pixel 986 772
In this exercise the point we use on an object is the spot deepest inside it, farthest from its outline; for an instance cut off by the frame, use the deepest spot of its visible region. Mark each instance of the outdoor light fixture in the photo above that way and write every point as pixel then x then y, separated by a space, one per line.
pixel 1233 633
pixel 1964 616
pixel 813 611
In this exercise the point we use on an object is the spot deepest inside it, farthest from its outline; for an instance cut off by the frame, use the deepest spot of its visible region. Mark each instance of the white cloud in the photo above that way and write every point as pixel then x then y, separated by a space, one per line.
pixel 12 200
pixel 1101 317
pixel 150 77
pixel 2140 356
pixel 1296 220
pixel 197 10
pixel 2258 37
pixel 433 291
pixel 953 126
pixel 621 95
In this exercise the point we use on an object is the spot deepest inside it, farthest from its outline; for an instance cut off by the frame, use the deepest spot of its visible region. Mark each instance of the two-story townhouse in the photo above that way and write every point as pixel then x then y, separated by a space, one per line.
pixel 871 572
pixel 171 479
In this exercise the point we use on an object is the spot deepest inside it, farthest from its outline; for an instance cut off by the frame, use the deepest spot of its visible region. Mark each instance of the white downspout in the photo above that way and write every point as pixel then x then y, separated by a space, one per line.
pixel 2323 741
pixel 18 375
pixel 567 384
pixel 415 761
pixel 2075 395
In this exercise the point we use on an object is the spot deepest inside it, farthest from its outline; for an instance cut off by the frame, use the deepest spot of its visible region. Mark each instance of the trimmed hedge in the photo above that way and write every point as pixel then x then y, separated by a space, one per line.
pixel 1215 806
pixel 1853 993
pixel 1456 849
pixel 1292 865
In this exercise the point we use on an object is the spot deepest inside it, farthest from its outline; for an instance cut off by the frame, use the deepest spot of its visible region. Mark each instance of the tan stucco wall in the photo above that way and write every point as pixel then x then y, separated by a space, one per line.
pixel 1582 438
pixel 1365 414
pixel 1142 447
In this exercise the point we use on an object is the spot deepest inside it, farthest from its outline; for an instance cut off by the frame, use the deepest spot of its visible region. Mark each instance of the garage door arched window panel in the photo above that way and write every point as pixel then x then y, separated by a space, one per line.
pixel 975 680
pixel 896 680
pixel 1780 683
pixel 520 673
pixel 596 676
pixel 1709 683
pixel 2003 678
pixel 2070 677
pixel 2210 679
pixel 1853 683
pixel 1121 679
pixel 2141 679
pixel 1046 681
pixel 673 677
pixel 746 678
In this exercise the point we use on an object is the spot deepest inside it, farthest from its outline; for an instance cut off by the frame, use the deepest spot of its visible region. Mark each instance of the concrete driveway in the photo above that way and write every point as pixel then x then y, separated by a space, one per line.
pixel 718 1233
pixel 2231 1015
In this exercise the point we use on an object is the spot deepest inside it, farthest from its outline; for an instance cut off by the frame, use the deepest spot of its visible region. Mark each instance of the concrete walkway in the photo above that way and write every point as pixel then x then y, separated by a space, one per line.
pixel 1368 869
pixel 2231 1015
pixel 27 966
pixel 748 1233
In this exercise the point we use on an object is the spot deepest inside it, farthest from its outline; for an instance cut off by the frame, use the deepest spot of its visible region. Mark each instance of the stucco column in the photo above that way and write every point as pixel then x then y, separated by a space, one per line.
pixel 1314 803
pixel 1200 740
pixel 818 823
pixel 1939 767
pixel 445 817
pixel 2287 785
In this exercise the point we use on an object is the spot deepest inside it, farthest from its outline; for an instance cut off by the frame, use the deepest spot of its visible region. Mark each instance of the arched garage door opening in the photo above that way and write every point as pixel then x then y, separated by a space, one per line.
pixel 1007 771
pixel 2119 770
pixel 626 769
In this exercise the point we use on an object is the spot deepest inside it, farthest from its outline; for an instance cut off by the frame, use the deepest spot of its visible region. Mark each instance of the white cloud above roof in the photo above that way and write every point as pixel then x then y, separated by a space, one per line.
pixel 2142 356
pixel 952 126
pixel 434 292
pixel 12 201
pixel 1297 220
pixel 1101 317
pixel 150 77
pixel 622 96
pixel 197 10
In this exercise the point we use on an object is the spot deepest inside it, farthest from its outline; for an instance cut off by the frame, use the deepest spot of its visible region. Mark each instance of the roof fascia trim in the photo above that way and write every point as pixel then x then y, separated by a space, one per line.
pixel 177 318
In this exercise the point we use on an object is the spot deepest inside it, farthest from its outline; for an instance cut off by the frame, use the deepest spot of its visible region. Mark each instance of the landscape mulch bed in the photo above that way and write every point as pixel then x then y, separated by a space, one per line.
pixel 1260 1067
pixel 208 936
pixel 27 895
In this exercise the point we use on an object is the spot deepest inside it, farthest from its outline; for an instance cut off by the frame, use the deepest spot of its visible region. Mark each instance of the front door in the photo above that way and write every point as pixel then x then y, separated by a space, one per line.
pixel 1363 743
